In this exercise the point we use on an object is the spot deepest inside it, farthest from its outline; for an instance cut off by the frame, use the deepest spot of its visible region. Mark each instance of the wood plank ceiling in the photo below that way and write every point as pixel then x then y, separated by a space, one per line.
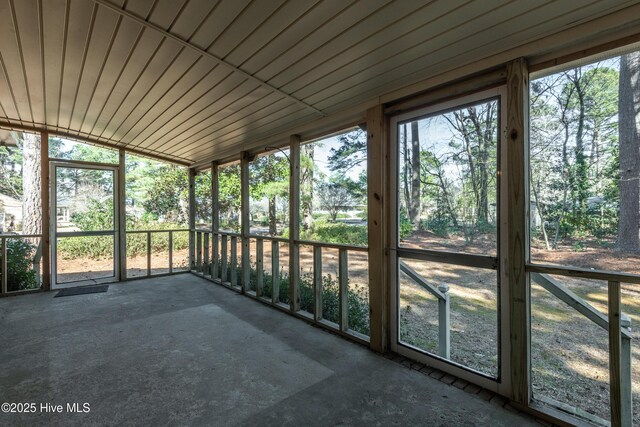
pixel 193 79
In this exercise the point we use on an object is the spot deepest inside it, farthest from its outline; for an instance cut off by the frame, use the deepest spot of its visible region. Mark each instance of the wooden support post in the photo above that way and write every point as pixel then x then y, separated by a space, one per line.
pixel 171 252
pixel 192 217
pixel 205 256
pixel 294 223
pixel 215 217
pixel 45 241
pixel 275 271
pixel 234 261
pixel 343 290
pixel 244 219
pixel 148 253
pixel 444 327
pixel 3 265
pixel 259 267
pixel 377 171
pixel 198 252
pixel 514 164
pixel 618 418
pixel 317 283
pixel 223 259
pixel 121 221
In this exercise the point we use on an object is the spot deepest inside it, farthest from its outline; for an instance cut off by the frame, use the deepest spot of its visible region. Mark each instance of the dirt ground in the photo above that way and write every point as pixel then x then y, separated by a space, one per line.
pixel 569 352
pixel 73 270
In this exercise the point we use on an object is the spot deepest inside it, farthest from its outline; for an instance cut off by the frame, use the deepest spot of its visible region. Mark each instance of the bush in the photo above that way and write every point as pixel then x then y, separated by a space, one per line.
pixel 338 232
pixel 358 296
pixel 406 227
pixel 20 273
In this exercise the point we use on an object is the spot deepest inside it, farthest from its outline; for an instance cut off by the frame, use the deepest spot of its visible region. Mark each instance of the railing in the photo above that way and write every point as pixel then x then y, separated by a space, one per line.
pixel 216 258
pixel 616 323
pixel 33 275
pixel 441 293
pixel 149 252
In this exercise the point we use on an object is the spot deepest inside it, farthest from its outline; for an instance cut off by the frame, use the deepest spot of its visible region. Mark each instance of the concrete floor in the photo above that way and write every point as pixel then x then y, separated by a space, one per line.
pixel 180 350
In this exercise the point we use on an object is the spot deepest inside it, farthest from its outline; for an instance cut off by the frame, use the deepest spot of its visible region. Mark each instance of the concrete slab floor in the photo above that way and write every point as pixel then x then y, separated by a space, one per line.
pixel 180 350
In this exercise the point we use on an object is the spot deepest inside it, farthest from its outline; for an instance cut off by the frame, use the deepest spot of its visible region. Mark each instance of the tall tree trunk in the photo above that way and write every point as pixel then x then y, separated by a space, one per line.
pixel 629 141
pixel 31 181
pixel 406 169
pixel 581 184
pixel 272 215
pixel 306 187
pixel 414 205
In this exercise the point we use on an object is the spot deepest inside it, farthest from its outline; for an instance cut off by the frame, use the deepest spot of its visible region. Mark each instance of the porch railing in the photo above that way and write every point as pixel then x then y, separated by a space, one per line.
pixel 616 323
pixel 149 251
pixel 217 258
pixel 441 293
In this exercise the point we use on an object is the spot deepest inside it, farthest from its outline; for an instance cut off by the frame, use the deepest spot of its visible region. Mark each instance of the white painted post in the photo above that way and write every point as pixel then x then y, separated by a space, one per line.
pixel 259 267
pixel 444 329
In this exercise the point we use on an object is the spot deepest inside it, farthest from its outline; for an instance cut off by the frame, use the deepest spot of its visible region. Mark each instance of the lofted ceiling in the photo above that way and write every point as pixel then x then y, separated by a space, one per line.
pixel 189 80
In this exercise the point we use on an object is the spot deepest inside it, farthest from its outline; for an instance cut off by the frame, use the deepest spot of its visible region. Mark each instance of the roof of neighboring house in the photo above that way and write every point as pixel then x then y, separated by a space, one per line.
pixel 8 201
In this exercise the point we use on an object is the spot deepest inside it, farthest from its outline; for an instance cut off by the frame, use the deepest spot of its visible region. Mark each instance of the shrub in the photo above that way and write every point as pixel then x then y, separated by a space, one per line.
pixel 406 227
pixel 20 273
pixel 338 232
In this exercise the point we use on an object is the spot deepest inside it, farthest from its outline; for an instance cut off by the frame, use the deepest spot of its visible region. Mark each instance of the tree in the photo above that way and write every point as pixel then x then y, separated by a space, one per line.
pixel 270 179
pixel 31 181
pixel 167 199
pixel 335 194
pixel 414 204
pixel 307 154
pixel 629 143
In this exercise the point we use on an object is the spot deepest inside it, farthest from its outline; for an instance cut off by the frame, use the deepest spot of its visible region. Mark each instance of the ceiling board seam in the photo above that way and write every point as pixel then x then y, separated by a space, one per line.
pixel 87 42
pixel 24 69
pixel 278 130
pixel 144 69
pixel 113 87
pixel 423 71
pixel 229 25
pixel 220 128
pixel 63 59
pixel 421 42
pixel 176 81
pixel 185 107
pixel 253 129
pixel 13 96
pixel 104 63
pixel 203 53
pixel 206 17
pixel 190 117
pixel 364 18
pixel 307 36
pixel 248 34
pixel 133 85
pixel 41 41
pixel 424 41
pixel 212 115
pixel 285 29
pixel 201 110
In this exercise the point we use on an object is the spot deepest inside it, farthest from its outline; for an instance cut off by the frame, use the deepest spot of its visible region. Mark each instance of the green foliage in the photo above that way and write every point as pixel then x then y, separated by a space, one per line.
pixel 98 215
pixel 405 226
pixel 337 232
pixel 20 273
pixel 167 198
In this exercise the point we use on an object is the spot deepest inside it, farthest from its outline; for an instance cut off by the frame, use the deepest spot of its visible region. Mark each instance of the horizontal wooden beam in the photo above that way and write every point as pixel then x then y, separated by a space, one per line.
pixel 114 145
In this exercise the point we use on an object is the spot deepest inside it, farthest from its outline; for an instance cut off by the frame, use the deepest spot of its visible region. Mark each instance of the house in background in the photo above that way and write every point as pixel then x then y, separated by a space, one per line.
pixel 10 213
